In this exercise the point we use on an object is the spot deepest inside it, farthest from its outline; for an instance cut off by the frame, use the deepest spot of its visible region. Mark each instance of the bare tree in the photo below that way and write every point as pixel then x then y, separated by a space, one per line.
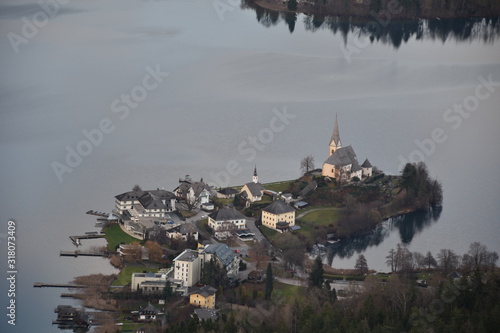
pixel 418 259
pixel 307 164
pixel 448 260
pixel 258 253
pixel 391 260
pixel 136 188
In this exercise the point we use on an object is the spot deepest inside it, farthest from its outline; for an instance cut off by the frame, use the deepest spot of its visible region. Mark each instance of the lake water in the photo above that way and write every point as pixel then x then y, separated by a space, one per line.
pixel 228 78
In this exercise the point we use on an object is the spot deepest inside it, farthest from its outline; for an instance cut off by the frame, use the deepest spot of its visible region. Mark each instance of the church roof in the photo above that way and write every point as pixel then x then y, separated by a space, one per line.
pixel 336 134
pixel 278 207
pixel 366 164
pixel 342 157
pixel 255 188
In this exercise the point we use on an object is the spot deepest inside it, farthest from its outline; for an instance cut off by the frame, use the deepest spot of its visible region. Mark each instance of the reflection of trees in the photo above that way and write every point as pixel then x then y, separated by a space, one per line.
pixel 407 225
pixel 396 33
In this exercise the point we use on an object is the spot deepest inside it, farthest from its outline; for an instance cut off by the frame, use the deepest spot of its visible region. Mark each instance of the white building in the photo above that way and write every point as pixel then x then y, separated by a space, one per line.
pixel 225 220
pixel 136 204
pixel 187 267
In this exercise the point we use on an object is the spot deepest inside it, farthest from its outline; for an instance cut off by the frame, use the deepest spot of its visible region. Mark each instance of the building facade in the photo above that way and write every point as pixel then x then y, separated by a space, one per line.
pixel 278 216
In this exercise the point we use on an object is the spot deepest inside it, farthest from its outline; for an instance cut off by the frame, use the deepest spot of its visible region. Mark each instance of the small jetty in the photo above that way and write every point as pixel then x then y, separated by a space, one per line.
pixel 82 253
pixel 76 239
pixel 96 213
pixel 56 285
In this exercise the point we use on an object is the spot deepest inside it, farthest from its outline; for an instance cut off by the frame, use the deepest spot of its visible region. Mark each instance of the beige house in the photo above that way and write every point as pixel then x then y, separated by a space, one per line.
pixel 278 216
pixel 253 191
pixel 342 163
pixel 203 297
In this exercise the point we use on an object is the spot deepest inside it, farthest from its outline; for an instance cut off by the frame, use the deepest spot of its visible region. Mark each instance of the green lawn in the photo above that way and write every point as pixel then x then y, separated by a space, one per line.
pixel 288 292
pixel 116 236
pixel 125 275
pixel 269 233
pixel 323 217
pixel 277 186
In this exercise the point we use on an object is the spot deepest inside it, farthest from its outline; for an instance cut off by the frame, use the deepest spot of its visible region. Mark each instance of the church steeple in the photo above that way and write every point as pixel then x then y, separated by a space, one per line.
pixel 255 177
pixel 335 142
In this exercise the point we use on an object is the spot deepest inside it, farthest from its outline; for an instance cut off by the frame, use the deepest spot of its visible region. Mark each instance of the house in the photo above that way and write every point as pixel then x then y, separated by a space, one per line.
pixel 135 204
pixel 367 168
pixel 194 193
pixel 300 205
pixel 187 267
pixel 278 216
pixel 183 232
pixel 140 280
pixel 227 193
pixel 226 220
pixel 224 255
pixel 148 312
pixel 254 190
pixel 203 297
pixel 133 252
pixel 287 197
pixel 342 163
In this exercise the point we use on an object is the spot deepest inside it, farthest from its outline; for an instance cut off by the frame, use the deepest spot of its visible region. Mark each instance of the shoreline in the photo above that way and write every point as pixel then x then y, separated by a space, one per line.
pixel 361 12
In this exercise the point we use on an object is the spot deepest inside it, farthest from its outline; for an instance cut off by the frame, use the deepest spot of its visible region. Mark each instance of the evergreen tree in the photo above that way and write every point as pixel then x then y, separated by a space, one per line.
pixel 292 4
pixel 361 265
pixel 316 275
pixel 167 291
pixel 269 282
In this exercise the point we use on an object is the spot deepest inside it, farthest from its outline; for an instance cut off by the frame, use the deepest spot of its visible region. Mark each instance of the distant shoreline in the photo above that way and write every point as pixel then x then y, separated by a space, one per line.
pixel 384 15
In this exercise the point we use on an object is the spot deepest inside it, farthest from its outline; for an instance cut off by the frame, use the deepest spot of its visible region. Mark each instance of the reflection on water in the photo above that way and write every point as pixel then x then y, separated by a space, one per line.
pixel 407 225
pixel 395 33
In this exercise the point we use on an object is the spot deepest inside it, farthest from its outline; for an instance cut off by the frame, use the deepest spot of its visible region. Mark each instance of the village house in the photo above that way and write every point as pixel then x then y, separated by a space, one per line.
pixel 227 193
pixel 278 216
pixel 342 163
pixel 225 220
pixel 254 190
pixel 155 203
pixel 133 252
pixel 183 232
pixel 203 297
pixel 148 313
pixel 195 194
pixel 225 256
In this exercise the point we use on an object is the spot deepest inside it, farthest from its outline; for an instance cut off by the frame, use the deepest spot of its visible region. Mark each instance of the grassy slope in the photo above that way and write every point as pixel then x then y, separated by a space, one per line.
pixel 115 236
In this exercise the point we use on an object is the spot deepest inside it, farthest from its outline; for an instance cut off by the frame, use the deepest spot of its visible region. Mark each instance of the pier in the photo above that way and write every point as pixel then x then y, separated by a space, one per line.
pixel 56 285
pixel 82 253
pixel 96 213
pixel 76 239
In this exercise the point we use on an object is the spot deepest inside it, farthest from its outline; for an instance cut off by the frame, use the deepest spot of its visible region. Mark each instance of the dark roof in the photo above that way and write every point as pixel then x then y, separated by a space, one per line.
pixel 223 252
pixel 198 187
pixel 255 188
pixel 148 309
pixel 342 157
pixel 228 191
pixel 207 314
pixel 366 164
pixel 204 291
pixel 227 214
pixel 148 199
pixel 309 188
pixel 278 207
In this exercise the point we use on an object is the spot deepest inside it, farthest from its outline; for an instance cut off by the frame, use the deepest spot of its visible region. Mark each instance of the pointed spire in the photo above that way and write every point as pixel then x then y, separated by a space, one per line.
pixel 255 171
pixel 255 178
pixel 336 134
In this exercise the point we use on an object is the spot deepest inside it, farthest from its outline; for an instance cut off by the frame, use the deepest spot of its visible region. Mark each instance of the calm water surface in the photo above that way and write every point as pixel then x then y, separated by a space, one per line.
pixel 225 78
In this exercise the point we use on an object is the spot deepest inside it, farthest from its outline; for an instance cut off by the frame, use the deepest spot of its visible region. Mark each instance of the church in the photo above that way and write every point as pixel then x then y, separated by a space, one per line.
pixel 342 162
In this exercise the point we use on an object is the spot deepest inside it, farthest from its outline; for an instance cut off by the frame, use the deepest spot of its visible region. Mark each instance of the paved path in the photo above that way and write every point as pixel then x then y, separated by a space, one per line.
pixel 292 282
pixel 313 210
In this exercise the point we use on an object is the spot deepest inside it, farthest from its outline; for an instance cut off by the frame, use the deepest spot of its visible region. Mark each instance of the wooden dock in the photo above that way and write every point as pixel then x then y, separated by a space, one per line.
pixel 76 239
pixel 96 213
pixel 82 253
pixel 56 285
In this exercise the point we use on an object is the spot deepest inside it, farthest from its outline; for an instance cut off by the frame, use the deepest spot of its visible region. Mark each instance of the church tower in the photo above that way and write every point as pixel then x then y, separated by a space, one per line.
pixel 335 142
pixel 255 178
